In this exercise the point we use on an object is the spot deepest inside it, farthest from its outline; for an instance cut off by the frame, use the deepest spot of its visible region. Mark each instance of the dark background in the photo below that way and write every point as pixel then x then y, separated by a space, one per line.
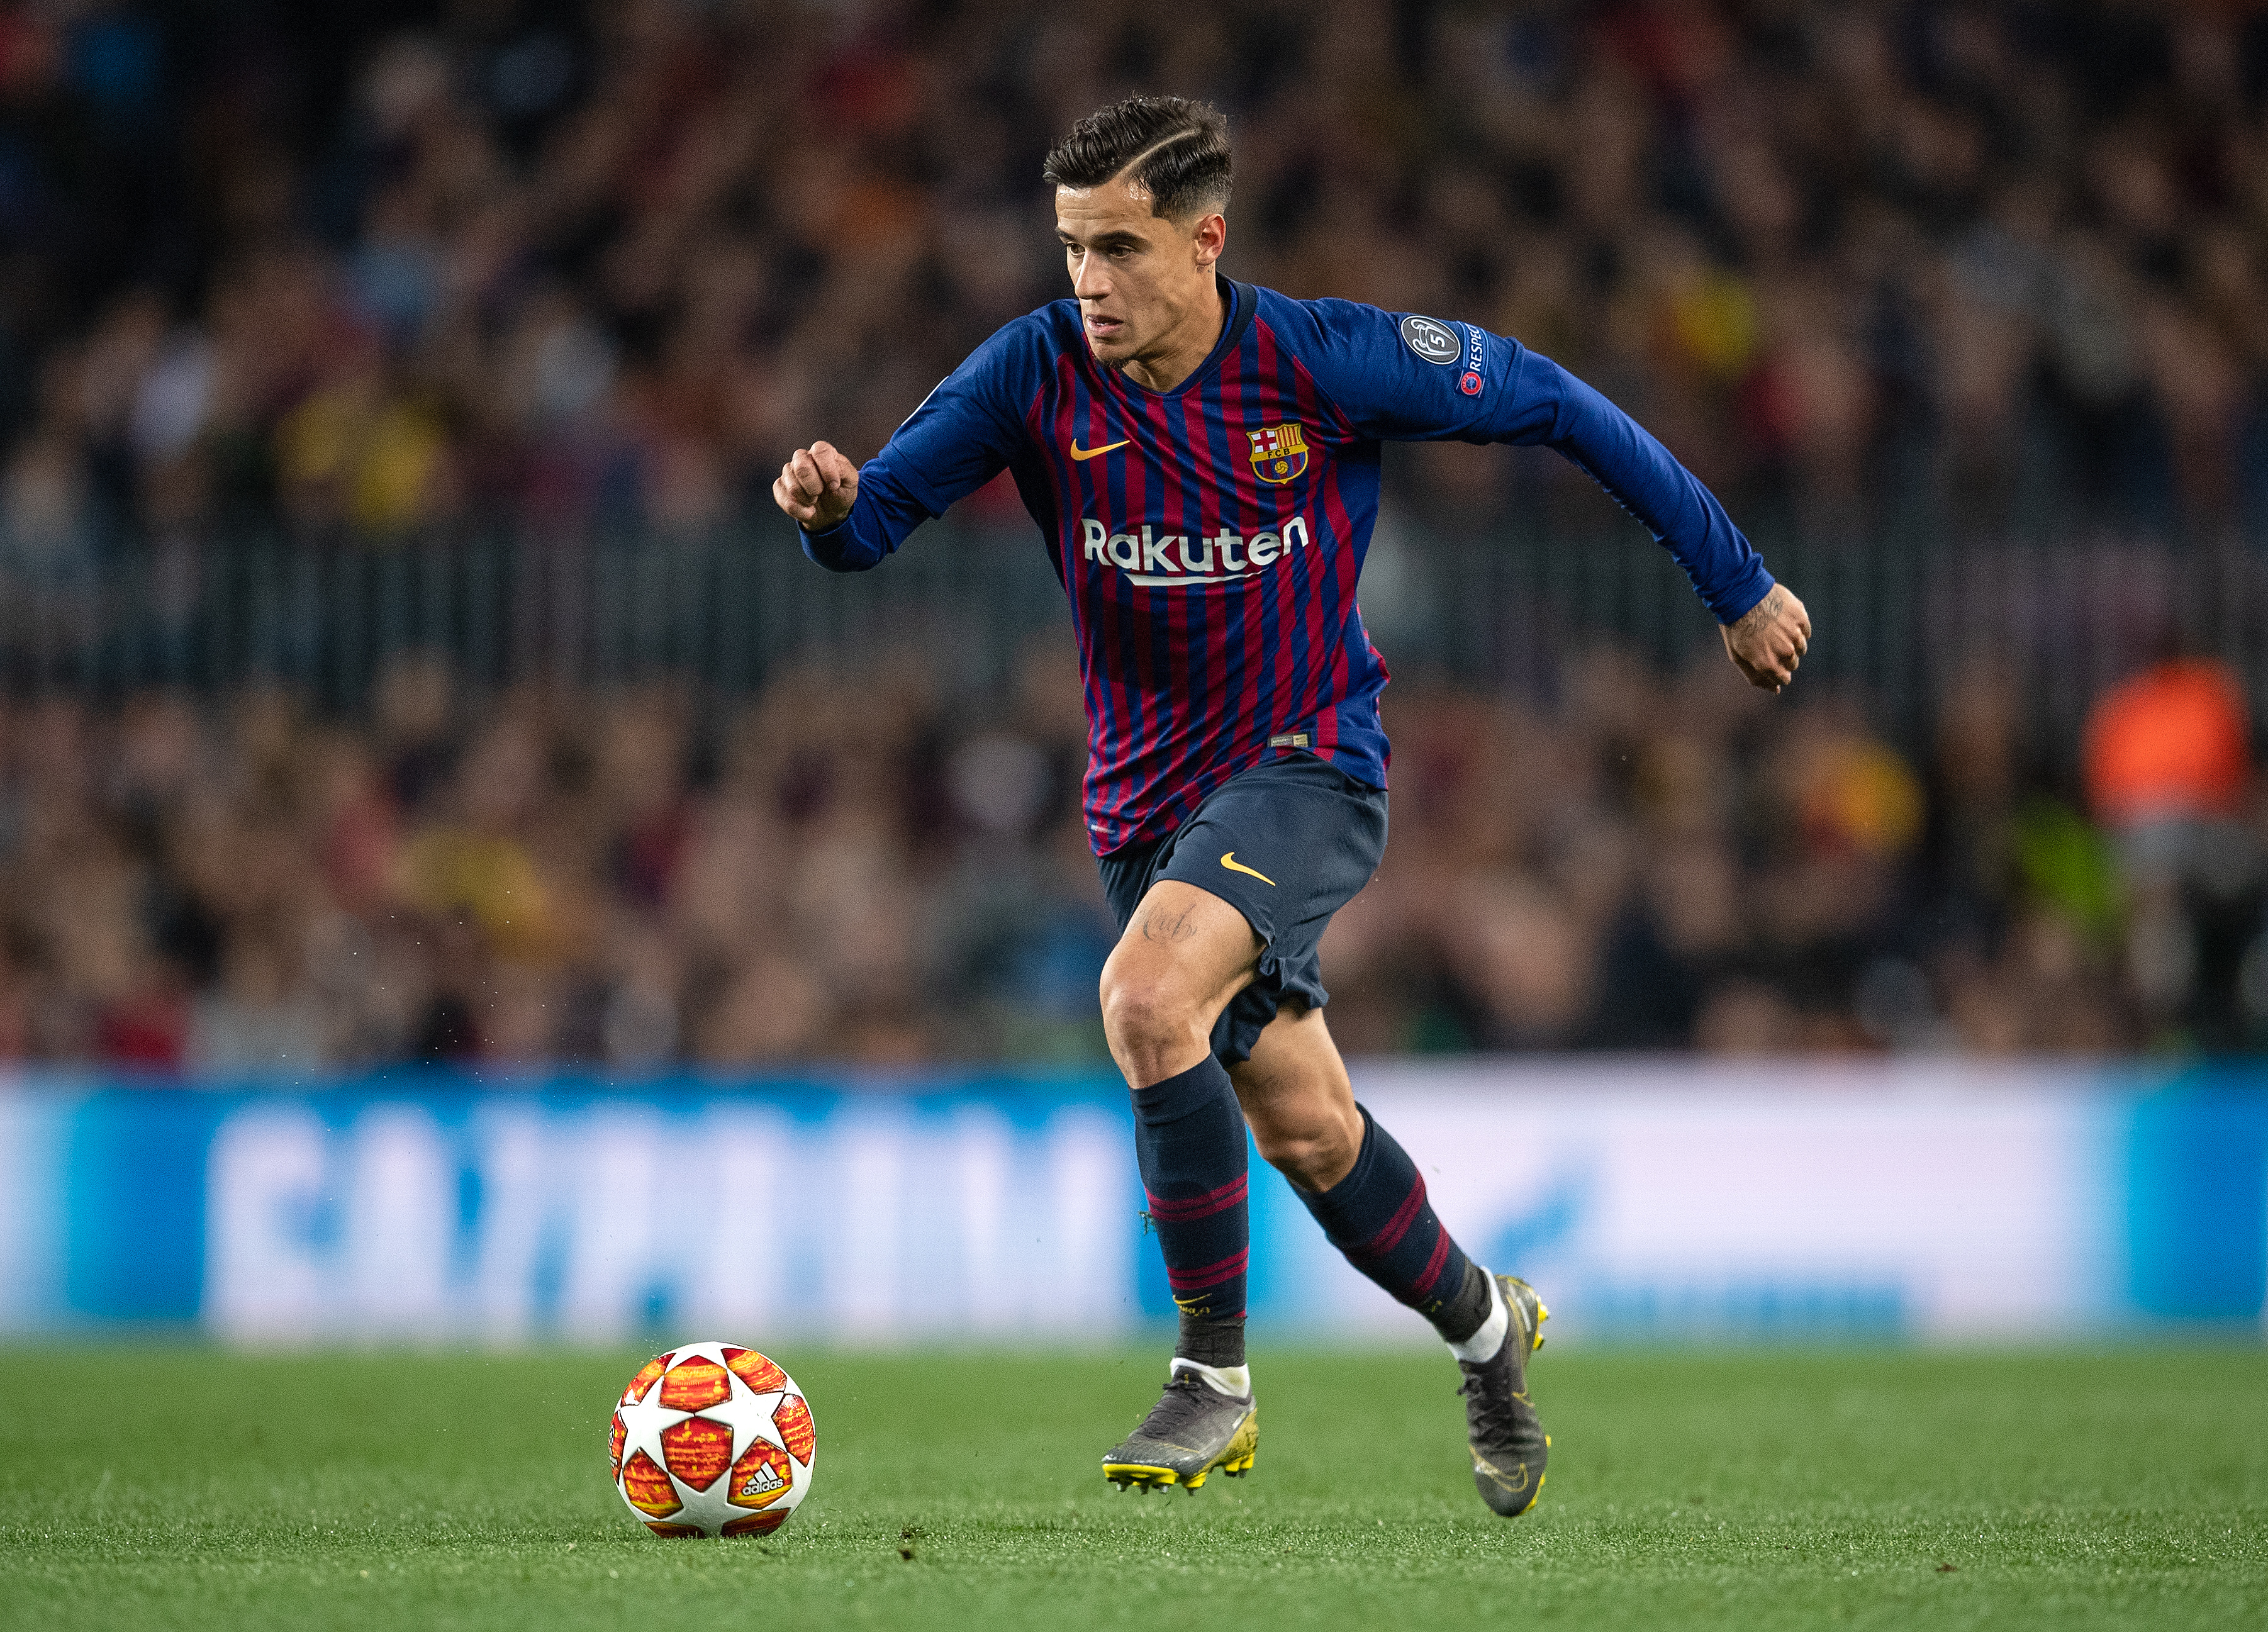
pixel 402 659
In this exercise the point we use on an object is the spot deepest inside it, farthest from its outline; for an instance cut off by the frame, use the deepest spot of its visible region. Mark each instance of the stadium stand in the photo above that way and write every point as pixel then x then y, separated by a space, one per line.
pixel 295 306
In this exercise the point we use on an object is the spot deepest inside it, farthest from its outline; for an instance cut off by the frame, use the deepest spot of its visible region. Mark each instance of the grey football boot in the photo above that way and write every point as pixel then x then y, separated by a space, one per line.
pixel 1194 1429
pixel 1502 1431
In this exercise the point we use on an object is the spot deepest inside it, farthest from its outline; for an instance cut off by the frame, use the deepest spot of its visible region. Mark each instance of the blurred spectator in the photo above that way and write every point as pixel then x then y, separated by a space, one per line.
pixel 894 873
pixel 2170 745
pixel 595 264
pixel 2168 766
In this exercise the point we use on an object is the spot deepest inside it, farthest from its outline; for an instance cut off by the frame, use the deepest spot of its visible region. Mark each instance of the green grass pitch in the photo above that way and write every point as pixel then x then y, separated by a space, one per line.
pixel 153 1486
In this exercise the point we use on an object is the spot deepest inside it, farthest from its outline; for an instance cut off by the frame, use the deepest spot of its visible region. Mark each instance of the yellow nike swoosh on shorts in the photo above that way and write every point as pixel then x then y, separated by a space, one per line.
pixel 1230 862
pixel 1078 452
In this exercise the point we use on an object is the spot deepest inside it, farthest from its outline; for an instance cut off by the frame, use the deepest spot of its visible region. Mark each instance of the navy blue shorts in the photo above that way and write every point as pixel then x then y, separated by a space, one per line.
pixel 1287 843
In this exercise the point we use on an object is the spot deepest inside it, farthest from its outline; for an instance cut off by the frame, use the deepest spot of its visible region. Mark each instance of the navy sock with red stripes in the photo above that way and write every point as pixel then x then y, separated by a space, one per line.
pixel 1188 1139
pixel 1379 1216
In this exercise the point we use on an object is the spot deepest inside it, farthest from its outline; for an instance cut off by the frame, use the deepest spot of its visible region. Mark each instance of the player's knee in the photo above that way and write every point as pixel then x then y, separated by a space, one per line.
pixel 1141 1011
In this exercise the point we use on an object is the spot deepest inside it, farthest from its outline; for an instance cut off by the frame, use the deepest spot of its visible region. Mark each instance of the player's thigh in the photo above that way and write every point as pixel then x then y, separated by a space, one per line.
pixel 1296 1094
pixel 1185 950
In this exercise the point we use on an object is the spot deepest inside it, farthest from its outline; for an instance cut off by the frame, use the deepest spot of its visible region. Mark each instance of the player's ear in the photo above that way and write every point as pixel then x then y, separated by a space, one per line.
pixel 1210 238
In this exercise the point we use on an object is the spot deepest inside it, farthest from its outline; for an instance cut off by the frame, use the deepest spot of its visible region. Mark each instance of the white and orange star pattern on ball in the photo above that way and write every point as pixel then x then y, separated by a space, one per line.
pixel 712 1439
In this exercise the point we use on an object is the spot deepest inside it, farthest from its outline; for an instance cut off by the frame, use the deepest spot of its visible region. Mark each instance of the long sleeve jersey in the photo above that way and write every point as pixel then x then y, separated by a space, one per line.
pixel 1210 537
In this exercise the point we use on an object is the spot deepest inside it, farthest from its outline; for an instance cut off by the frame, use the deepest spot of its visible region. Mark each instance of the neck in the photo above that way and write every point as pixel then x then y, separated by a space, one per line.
pixel 1187 344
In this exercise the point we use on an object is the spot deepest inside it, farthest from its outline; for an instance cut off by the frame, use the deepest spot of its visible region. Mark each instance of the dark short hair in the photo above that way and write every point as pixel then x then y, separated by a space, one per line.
pixel 1174 148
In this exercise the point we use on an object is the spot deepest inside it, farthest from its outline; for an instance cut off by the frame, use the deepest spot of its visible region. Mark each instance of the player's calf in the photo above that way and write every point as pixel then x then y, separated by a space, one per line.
pixel 1380 1217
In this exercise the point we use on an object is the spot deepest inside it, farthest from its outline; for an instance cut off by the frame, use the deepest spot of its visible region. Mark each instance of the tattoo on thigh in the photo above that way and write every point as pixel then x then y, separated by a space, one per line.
pixel 1161 926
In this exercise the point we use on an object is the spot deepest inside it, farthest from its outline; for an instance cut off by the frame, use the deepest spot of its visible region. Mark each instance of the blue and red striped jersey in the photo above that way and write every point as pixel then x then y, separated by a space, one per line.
pixel 1211 537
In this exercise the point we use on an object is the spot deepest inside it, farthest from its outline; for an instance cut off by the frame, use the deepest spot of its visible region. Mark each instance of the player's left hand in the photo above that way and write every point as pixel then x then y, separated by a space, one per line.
pixel 816 487
pixel 1770 639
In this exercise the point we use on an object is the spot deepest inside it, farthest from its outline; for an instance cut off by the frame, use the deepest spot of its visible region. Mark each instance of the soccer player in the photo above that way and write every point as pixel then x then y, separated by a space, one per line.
pixel 1203 458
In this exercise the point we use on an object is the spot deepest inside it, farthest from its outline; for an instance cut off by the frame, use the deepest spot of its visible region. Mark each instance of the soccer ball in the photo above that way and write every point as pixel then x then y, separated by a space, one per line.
pixel 713 1440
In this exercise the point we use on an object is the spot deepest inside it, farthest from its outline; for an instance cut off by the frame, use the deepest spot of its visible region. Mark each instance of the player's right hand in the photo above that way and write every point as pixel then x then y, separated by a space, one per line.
pixel 816 487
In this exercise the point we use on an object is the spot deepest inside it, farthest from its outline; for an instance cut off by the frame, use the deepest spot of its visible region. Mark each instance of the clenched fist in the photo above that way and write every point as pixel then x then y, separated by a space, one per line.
pixel 1769 640
pixel 816 487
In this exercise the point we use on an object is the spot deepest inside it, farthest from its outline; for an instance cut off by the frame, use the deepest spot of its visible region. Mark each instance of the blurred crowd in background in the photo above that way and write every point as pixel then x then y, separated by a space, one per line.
pixel 877 870
pixel 351 273
pixel 372 266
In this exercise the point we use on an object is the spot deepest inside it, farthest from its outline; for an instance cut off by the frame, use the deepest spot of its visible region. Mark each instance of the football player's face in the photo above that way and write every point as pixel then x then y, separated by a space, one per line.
pixel 1140 277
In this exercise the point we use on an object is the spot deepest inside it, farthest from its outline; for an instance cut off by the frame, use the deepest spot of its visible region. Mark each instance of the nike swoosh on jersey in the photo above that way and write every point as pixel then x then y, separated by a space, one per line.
pixel 1083 454
pixel 1230 862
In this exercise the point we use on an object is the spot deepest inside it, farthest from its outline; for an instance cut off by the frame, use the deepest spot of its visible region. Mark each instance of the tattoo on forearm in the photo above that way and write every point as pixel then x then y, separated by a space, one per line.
pixel 1763 612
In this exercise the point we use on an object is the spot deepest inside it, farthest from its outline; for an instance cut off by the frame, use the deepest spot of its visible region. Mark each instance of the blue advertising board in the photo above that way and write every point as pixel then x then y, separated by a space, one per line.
pixel 1659 1201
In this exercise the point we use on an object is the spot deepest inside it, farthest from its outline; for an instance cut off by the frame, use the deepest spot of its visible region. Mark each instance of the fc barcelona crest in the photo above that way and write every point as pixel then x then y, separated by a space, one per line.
pixel 1279 452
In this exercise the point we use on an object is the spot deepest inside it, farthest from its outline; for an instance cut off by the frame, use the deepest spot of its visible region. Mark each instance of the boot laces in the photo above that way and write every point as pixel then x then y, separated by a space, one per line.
pixel 1188 1401
pixel 1490 1409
